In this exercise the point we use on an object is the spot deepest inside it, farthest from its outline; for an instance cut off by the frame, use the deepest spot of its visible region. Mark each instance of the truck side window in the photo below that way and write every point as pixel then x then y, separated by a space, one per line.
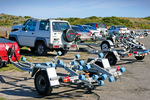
pixel 44 25
pixel 31 26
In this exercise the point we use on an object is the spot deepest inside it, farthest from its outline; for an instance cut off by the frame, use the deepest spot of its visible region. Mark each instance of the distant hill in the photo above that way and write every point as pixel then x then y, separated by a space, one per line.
pixel 131 22
pixel 10 20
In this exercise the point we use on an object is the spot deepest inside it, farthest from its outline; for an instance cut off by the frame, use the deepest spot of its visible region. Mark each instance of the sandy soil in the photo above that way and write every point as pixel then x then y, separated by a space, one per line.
pixel 133 85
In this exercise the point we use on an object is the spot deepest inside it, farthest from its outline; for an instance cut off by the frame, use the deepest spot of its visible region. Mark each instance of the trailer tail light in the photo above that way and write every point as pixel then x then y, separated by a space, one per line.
pixel 72 45
pixel 96 26
pixel 67 79
pixel 118 68
pixel 56 46
pixel 135 52
pixel 129 54
pixel 78 34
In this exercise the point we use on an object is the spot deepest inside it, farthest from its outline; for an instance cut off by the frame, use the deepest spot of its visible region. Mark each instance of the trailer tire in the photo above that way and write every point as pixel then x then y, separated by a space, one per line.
pixel 42 84
pixel 145 34
pixel 111 58
pixel 139 57
pixel 105 46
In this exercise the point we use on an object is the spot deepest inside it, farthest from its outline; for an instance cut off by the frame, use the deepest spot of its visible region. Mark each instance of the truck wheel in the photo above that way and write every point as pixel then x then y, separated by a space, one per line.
pixel 69 35
pixel 41 49
pixel 111 58
pixel 139 57
pixel 42 84
pixel 105 46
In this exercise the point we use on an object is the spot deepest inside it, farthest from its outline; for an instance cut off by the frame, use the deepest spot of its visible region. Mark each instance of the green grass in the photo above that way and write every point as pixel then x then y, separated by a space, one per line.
pixel 1 98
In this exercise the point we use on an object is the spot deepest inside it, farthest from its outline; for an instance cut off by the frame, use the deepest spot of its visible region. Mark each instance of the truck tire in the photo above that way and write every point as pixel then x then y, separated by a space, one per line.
pixel 105 46
pixel 111 58
pixel 69 35
pixel 41 49
pixel 42 84
pixel 139 57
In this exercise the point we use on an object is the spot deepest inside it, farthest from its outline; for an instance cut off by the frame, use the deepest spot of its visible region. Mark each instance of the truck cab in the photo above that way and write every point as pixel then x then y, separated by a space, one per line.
pixel 43 35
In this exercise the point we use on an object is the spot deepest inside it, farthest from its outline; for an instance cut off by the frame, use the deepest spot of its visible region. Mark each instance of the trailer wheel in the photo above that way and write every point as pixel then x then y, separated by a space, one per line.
pixel 140 57
pixel 145 34
pixel 105 46
pixel 42 84
pixel 111 58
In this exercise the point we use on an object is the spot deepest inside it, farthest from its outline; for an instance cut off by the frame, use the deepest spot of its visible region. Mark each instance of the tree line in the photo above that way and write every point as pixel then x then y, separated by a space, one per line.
pixel 10 20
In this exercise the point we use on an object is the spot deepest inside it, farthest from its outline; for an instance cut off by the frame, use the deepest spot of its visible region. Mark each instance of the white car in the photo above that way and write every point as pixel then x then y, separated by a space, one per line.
pixel 45 35
pixel 118 29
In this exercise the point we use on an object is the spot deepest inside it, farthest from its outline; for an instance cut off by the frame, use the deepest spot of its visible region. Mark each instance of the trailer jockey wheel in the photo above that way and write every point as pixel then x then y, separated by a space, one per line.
pixel 111 58
pixel 1 63
pixel 42 84
pixel 140 57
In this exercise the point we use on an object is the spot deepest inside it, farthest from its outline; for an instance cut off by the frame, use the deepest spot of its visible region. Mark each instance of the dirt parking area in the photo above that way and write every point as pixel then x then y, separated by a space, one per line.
pixel 133 85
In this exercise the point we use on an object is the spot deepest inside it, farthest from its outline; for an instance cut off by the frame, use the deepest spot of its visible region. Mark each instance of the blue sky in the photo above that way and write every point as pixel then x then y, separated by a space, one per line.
pixel 76 8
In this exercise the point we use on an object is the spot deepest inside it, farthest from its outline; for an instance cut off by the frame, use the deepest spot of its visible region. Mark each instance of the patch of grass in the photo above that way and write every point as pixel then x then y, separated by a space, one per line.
pixel 10 67
pixel 1 98
pixel 25 48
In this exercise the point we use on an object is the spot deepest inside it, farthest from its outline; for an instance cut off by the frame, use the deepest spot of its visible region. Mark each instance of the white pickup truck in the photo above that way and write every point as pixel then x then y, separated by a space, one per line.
pixel 44 35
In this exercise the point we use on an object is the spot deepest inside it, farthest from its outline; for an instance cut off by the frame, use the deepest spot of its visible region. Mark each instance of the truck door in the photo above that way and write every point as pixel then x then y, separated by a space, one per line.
pixel 27 35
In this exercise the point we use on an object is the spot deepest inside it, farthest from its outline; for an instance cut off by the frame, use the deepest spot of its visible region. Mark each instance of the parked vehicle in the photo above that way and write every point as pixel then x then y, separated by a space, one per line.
pixel 83 35
pixel 19 27
pixel 9 50
pixel 101 27
pixel 118 29
pixel 95 33
pixel 45 35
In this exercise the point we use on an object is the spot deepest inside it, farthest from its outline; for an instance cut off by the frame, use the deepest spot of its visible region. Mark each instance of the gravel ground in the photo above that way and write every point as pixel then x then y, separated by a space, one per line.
pixel 133 85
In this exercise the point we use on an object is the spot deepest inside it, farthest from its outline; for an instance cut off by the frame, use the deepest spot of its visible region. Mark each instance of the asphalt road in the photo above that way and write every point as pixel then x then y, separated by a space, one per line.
pixel 133 85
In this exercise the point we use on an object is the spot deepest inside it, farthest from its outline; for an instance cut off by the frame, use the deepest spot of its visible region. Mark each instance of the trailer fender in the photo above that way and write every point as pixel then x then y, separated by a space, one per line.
pixel 108 44
pixel 109 41
pixel 51 73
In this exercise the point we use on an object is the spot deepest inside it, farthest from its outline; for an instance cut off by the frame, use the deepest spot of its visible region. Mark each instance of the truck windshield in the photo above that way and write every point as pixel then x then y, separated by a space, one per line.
pixel 60 26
